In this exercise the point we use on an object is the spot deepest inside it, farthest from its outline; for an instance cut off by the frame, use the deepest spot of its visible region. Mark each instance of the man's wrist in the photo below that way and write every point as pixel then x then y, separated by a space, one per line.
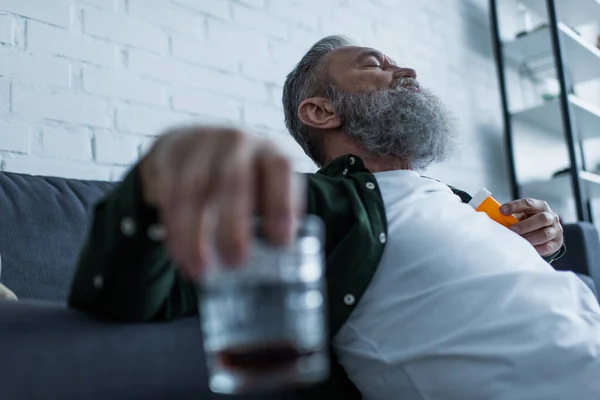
pixel 558 254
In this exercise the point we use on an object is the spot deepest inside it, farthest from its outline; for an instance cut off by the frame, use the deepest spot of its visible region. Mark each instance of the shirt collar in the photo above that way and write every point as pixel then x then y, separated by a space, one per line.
pixel 343 165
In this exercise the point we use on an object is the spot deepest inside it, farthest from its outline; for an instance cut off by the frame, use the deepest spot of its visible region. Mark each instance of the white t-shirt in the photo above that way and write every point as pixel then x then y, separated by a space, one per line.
pixel 463 308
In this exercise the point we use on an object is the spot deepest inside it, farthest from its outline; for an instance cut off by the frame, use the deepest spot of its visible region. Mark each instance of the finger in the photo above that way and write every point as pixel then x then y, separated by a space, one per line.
pixel 236 205
pixel 184 222
pixel 524 206
pixel 275 197
pixel 187 212
pixel 166 185
pixel 560 234
pixel 547 249
pixel 534 223
pixel 545 235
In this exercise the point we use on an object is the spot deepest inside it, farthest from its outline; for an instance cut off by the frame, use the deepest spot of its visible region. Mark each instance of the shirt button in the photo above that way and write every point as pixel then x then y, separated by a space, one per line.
pixel 382 238
pixel 98 281
pixel 345 171
pixel 128 226
pixel 351 160
pixel 349 299
pixel 157 232
pixel 370 185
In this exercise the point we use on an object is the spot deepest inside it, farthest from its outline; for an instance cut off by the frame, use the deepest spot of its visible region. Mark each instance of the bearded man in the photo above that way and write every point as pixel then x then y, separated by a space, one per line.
pixel 428 299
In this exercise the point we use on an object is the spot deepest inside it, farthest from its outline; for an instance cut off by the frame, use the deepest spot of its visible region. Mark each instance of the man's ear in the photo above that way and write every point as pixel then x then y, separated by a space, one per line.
pixel 317 113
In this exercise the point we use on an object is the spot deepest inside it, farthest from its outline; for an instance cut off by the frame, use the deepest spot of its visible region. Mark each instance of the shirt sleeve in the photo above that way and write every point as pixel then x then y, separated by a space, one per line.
pixel 123 272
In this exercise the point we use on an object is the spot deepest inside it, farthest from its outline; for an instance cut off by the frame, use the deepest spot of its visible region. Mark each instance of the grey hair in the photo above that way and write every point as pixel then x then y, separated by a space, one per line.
pixel 307 80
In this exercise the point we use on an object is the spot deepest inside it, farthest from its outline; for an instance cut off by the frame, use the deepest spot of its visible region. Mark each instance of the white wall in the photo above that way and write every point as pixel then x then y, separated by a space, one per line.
pixel 86 84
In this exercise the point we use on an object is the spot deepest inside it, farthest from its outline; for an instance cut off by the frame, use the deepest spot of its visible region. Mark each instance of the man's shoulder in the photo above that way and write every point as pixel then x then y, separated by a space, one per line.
pixel 331 185
pixel 464 196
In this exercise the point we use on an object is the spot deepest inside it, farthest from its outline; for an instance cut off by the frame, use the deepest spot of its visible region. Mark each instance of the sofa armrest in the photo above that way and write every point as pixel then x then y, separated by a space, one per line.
pixel 583 252
pixel 49 351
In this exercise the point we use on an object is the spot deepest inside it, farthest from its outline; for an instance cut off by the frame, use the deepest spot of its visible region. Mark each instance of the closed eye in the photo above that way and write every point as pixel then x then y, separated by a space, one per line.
pixel 373 62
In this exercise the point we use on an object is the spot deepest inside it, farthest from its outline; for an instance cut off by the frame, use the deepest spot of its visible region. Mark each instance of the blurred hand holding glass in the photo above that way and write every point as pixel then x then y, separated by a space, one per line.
pixel 264 324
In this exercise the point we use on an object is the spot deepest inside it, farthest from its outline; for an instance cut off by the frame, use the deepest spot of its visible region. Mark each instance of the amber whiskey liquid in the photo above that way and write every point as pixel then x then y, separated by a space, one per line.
pixel 262 335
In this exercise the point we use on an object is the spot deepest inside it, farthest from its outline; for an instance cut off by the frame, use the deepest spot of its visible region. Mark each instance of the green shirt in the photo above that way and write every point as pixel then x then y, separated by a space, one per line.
pixel 125 274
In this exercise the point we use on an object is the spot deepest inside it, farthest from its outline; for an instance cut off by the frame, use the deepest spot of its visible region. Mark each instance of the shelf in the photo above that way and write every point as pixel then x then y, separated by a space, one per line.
pixel 547 116
pixel 559 188
pixel 585 11
pixel 583 59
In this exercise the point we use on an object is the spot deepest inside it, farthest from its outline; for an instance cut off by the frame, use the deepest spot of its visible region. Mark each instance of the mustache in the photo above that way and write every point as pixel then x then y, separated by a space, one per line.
pixel 406 83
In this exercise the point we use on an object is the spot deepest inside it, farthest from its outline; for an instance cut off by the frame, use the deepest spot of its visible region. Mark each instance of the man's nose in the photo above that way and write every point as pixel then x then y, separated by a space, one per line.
pixel 405 73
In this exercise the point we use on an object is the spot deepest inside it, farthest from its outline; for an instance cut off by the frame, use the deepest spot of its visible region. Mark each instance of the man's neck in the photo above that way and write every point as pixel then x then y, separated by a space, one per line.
pixel 343 146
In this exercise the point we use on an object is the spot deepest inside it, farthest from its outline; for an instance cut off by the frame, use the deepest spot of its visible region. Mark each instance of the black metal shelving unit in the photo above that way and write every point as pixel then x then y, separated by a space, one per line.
pixel 573 61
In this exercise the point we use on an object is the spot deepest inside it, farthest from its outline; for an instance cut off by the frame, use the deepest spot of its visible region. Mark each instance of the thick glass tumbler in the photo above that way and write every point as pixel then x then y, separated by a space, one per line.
pixel 264 323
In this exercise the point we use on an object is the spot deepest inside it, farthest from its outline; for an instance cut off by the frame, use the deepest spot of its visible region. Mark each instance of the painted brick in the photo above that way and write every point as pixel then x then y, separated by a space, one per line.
pixel 115 149
pixel 275 96
pixel 164 69
pixel 145 145
pixel 43 38
pixel 55 12
pixel 148 120
pixel 259 4
pixel 7 28
pixel 118 172
pixel 41 104
pixel 214 8
pixel 4 97
pixel 121 29
pixel 258 21
pixel 65 143
pixel 121 85
pixel 205 53
pixel 286 54
pixel 28 68
pixel 245 42
pixel 106 4
pixel 299 14
pixel 264 70
pixel 369 9
pixel 167 15
pixel 232 85
pixel 15 137
pixel 222 61
pixel 304 38
pixel 352 23
pixel 204 103
pixel 177 73
pixel 262 116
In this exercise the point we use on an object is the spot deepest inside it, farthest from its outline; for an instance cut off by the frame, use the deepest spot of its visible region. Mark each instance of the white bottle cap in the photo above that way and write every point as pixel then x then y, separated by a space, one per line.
pixel 479 197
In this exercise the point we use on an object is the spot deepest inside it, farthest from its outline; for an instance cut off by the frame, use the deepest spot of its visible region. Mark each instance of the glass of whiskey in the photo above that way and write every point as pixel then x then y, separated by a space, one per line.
pixel 264 324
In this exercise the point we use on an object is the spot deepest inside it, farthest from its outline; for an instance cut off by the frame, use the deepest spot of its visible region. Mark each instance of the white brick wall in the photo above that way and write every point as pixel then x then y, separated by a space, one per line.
pixel 85 85
pixel 6 29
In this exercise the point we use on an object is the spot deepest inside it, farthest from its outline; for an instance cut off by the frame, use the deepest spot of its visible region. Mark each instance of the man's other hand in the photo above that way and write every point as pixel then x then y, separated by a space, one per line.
pixel 207 184
pixel 538 224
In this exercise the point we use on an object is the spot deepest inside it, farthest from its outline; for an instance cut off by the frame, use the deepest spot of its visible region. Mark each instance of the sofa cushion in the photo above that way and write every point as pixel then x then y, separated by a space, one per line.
pixel 43 222
pixel 49 352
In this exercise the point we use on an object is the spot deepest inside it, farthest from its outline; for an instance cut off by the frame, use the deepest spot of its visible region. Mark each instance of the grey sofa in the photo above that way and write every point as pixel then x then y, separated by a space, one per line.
pixel 50 352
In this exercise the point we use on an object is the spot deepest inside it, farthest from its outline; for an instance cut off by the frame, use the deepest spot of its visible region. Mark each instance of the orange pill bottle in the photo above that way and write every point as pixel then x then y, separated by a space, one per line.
pixel 484 202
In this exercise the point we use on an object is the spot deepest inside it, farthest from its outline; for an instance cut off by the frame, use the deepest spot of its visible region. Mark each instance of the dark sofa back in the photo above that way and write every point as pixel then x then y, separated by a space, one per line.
pixel 43 222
